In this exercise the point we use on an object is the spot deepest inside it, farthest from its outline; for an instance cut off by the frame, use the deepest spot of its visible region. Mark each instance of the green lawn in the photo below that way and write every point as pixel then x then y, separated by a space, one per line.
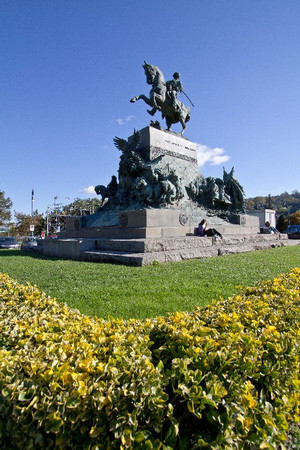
pixel 140 292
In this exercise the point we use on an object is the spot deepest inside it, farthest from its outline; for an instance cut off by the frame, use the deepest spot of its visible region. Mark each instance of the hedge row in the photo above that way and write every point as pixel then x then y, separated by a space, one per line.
pixel 226 376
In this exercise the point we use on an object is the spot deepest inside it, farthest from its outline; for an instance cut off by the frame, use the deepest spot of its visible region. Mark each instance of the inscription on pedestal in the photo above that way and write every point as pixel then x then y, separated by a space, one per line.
pixel 155 143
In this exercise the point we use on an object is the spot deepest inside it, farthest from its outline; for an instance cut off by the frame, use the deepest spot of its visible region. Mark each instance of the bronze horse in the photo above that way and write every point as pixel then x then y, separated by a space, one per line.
pixel 159 99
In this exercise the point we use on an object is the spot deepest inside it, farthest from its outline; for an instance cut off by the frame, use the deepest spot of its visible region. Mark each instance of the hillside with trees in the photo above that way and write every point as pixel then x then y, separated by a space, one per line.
pixel 284 204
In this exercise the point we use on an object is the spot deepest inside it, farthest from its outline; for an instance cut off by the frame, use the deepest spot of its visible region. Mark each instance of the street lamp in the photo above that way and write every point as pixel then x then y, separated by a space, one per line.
pixel 32 200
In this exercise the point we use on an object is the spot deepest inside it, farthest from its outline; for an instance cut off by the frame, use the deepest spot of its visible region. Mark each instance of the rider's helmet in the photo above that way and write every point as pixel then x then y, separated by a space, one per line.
pixel 176 75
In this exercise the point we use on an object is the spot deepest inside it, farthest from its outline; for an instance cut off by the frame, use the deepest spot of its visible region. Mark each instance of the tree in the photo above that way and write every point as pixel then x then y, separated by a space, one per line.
pixel 249 203
pixel 5 206
pixel 284 204
pixel 23 222
pixel 259 202
pixel 295 218
pixel 282 223
pixel 81 207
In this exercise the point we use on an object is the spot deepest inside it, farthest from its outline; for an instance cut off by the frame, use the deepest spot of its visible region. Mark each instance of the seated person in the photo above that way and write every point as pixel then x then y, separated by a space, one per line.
pixel 267 229
pixel 204 231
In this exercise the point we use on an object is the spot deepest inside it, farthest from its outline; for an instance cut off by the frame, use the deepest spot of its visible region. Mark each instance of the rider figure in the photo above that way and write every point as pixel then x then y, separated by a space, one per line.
pixel 174 86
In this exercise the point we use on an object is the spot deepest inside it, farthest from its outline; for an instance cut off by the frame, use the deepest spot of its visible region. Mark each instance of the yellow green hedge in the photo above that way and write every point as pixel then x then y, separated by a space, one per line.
pixel 226 376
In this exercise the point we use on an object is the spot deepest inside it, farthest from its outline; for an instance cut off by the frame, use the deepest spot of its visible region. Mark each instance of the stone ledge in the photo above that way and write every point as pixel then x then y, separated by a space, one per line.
pixel 162 256
pixel 141 252
pixel 152 245
pixel 143 259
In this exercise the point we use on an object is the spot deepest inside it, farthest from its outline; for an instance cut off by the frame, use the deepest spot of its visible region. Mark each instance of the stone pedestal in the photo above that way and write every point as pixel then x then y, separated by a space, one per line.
pixel 143 223
pixel 140 252
pixel 155 143
pixel 169 153
pixel 157 223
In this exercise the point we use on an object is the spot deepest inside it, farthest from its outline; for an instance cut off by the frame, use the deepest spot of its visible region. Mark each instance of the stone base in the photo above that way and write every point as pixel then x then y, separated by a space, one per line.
pixel 141 252
pixel 149 235
pixel 155 143
pixel 156 223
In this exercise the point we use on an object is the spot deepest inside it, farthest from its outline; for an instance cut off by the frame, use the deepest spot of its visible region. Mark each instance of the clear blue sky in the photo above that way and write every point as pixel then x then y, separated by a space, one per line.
pixel 69 68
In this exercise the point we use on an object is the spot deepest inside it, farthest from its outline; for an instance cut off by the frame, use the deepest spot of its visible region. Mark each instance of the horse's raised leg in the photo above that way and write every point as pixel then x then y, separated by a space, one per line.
pixel 134 99
pixel 152 111
pixel 143 97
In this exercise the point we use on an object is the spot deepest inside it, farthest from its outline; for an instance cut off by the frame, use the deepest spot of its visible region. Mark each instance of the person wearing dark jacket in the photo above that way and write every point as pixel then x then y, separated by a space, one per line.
pixel 204 231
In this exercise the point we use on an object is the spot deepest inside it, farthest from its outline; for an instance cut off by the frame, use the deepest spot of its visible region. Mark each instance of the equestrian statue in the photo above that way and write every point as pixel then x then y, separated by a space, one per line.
pixel 163 97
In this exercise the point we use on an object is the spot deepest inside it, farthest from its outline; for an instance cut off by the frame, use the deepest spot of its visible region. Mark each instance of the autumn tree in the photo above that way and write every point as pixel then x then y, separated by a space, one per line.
pixel 284 203
pixel 295 218
pixel 255 203
pixel 23 222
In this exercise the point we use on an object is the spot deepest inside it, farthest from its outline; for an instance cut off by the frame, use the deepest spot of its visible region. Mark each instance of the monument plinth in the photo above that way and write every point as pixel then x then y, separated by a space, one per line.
pixel 154 143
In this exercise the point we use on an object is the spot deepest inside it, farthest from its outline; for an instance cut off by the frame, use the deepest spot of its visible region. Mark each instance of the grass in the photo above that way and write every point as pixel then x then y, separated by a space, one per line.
pixel 139 292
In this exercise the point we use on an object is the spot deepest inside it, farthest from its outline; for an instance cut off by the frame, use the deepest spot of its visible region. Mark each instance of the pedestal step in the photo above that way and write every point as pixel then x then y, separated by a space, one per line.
pixel 147 251
pixel 180 243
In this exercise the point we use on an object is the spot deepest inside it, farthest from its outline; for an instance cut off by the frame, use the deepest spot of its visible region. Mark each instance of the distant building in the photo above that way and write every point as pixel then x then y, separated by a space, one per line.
pixel 264 215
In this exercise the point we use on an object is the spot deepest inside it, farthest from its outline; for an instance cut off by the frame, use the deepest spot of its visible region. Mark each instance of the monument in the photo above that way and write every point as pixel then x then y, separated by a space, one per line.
pixel 159 196
pixel 158 168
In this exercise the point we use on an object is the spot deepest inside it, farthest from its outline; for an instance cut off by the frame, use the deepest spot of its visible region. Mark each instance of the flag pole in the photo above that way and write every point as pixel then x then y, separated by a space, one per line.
pixel 32 200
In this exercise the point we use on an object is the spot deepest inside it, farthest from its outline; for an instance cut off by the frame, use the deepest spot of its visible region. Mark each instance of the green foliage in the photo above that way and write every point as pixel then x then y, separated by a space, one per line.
pixel 5 207
pixel 284 203
pixel 293 439
pixel 226 376
pixel 23 222
pixel 255 203
pixel 81 207
pixel 282 223
pixel 295 218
